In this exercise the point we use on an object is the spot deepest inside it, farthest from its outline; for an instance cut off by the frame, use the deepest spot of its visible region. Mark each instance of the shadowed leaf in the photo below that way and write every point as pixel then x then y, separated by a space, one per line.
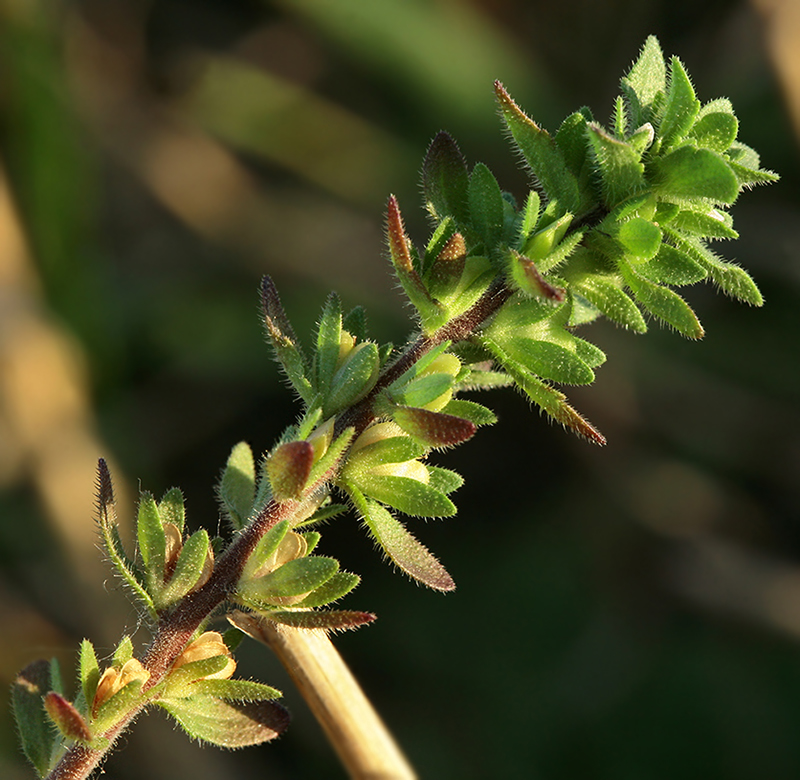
pixel 228 724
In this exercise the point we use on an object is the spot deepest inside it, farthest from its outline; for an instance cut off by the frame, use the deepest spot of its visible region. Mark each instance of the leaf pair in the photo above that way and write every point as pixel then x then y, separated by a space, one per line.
pixel 281 573
pixel 345 365
pixel 171 566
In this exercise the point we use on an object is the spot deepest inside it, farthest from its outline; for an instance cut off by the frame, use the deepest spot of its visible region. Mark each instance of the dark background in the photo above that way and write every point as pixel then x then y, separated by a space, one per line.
pixel 631 612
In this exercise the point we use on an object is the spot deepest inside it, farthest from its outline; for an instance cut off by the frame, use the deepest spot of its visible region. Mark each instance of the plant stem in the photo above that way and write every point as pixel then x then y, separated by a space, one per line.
pixel 355 730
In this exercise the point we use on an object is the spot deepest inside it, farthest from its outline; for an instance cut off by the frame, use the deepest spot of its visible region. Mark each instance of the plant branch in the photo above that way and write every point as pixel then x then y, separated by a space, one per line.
pixel 356 731
pixel 176 628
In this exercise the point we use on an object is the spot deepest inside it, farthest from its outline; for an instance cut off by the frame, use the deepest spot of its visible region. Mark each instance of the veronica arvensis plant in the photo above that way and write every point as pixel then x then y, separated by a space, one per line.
pixel 619 215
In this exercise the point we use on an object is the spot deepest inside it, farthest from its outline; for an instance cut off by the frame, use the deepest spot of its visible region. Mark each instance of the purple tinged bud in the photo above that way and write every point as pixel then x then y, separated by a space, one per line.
pixel 434 429
pixel 289 468
pixel 69 721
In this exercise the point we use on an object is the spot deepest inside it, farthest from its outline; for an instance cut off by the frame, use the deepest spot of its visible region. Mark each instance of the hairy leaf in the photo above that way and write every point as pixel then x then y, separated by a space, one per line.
pixel 339 585
pixel 645 84
pixel 485 205
pixel 403 549
pixel 545 159
pixel 287 348
pixel 663 303
pixel 237 487
pixel 228 724
pixel 329 620
pixel 681 107
pixel 35 730
pixel 407 495
pixel 329 332
pixel 445 180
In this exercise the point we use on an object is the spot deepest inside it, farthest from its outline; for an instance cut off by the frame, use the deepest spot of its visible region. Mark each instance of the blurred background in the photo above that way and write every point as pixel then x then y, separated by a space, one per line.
pixel 625 612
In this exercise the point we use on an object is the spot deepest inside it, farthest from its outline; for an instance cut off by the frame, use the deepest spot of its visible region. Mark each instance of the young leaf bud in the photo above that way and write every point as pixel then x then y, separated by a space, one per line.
pixel 288 468
pixel 69 721
pixel 434 429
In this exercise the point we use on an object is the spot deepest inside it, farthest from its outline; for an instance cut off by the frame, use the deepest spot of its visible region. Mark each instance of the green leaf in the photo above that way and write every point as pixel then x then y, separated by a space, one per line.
pixel 620 118
pixel 550 361
pixel 545 159
pixel 469 410
pixel 294 578
pixel 689 173
pixel 485 380
pixel 312 540
pixel 123 652
pixel 557 255
pixel 323 514
pixel 591 355
pixel 332 455
pixel 646 82
pixel 424 389
pixel 403 549
pixel 715 131
pixel 355 322
pixel 445 180
pixel 605 293
pixel 152 544
pixel 486 205
pixel 571 140
pixel 89 671
pixel 671 266
pixel 431 313
pixel 120 704
pixel 236 690
pixel 34 727
pixel 329 332
pixel 731 278
pixel 228 724
pixel 663 303
pixel 287 348
pixel 109 531
pixel 540 244
pixel 408 495
pixel 395 449
pixel 548 398
pixel 188 569
pixel 712 223
pixel 681 108
pixel 339 585
pixel 640 238
pixel 354 379
pixel 444 480
pixel 237 487
pixel 171 508
pixel 329 620
pixel 264 549
pixel 620 166
pixel 529 218
pixel 745 162
pixel 444 232
pixel 181 681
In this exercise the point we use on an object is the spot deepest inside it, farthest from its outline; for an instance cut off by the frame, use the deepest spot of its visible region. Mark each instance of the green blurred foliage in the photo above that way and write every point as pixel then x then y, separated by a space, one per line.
pixel 632 614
